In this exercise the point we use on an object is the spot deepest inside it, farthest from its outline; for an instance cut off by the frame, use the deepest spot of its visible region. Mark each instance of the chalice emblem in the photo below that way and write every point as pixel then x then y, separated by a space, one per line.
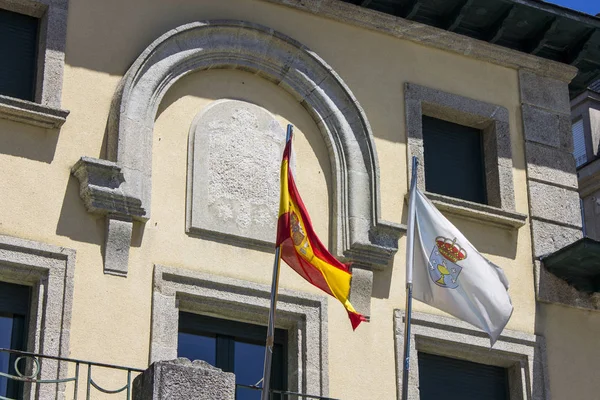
pixel 443 267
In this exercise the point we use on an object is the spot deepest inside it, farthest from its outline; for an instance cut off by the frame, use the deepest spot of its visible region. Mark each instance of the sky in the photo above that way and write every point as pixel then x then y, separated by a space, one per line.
pixel 587 6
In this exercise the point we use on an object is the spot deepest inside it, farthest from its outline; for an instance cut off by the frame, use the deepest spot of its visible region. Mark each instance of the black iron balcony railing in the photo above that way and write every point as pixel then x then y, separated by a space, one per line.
pixel 27 368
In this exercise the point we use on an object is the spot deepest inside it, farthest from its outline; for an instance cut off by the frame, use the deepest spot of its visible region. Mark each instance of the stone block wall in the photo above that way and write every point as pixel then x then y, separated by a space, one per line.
pixel 551 175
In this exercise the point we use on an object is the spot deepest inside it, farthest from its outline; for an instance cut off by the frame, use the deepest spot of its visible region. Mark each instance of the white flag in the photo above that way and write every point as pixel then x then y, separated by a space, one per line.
pixel 451 275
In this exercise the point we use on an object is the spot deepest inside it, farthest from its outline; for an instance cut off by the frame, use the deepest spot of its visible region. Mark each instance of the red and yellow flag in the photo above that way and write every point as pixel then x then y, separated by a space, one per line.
pixel 302 250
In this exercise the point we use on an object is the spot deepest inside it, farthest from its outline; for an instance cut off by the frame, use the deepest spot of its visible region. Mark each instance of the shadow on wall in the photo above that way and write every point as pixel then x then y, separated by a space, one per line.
pixel 75 222
pixel 21 140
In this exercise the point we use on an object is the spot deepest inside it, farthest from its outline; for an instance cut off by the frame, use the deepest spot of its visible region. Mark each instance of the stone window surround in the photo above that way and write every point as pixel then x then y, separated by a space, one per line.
pixel 45 112
pixel 49 270
pixel 303 315
pixel 523 354
pixel 493 120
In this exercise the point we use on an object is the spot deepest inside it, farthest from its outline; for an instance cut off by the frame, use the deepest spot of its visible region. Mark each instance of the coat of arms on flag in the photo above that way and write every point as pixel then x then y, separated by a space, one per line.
pixel 443 267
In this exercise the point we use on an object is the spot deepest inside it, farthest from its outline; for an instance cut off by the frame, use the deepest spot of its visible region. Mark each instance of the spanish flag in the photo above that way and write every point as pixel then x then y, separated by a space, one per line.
pixel 302 250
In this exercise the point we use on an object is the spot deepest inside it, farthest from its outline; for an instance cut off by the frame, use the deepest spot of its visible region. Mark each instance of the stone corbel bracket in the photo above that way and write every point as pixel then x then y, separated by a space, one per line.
pixel 359 234
pixel 102 193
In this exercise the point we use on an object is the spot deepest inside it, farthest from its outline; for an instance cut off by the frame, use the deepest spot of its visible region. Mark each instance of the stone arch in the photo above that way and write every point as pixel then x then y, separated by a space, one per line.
pixel 225 44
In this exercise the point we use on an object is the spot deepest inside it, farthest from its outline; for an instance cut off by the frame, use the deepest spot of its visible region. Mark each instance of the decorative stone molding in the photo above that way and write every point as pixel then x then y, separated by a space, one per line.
pixel 49 271
pixel 31 113
pixel 430 36
pixel 45 112
pixel 199 46
pixel 100 188
pixel 304 316
pixel 494 123
pixel 523 354
pixel 478 212
pixel 184 379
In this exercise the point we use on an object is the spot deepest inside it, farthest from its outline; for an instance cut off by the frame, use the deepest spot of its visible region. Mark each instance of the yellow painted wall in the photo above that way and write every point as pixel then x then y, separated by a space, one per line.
pixel 111 315
pixel 571 335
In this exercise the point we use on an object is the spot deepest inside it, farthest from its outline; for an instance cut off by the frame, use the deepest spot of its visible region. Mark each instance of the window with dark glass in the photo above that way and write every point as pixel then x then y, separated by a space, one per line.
pixel 14 311
pixel 234 347
pixel 452 379
pixel 18 45
pixel 454 160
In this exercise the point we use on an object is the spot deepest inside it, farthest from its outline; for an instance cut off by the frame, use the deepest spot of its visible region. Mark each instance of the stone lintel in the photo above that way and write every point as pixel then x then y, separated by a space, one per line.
pixel 184 379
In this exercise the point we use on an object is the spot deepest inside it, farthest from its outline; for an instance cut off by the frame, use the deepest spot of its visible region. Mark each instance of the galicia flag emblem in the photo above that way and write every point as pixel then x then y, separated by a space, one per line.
pixel 443 268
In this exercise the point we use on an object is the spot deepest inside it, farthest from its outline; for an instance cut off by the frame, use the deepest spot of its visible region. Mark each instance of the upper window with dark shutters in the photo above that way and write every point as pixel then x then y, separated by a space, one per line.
pixel 19 45
pixel 454 161
pixel 33 36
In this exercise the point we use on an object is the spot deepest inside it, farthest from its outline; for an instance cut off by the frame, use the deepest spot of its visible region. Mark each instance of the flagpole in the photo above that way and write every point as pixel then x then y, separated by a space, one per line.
pixel 271 327
pixel 410 239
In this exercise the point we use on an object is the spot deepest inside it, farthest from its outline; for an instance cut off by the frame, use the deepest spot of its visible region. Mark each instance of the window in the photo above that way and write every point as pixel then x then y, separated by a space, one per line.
pixel 449 378
pixel 234 347
pixel 454 164
pixel 579 149
pixel 19 43
pixel 14 310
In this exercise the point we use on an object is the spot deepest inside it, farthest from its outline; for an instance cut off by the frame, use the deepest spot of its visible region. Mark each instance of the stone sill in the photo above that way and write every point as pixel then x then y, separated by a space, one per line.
pixel 31 113
pixel 478 212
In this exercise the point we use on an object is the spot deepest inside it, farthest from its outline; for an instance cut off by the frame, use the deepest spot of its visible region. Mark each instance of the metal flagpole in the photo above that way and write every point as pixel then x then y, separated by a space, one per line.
pixel 271 329
pixel 410 239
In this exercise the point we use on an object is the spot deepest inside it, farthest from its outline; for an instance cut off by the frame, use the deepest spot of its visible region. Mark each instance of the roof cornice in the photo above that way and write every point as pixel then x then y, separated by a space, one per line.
pixel 431 36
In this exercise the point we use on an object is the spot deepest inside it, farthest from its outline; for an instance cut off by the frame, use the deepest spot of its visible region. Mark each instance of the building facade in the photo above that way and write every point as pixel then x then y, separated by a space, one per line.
pixel 140 145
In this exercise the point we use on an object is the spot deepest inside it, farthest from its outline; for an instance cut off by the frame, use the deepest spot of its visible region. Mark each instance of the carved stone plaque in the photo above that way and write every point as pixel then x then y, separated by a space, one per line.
pixel 233 179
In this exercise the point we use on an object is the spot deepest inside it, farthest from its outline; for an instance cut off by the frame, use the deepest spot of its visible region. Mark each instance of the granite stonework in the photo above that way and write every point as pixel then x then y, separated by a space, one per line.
pixel 551 177
pixel 358 233
pixel 523 354
pixel 303 315
pixel 183 379
pixel 49 271
pixel 552 289
pixel 45 112
pixel 491 119
pixel 118 241
pixel 233 176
